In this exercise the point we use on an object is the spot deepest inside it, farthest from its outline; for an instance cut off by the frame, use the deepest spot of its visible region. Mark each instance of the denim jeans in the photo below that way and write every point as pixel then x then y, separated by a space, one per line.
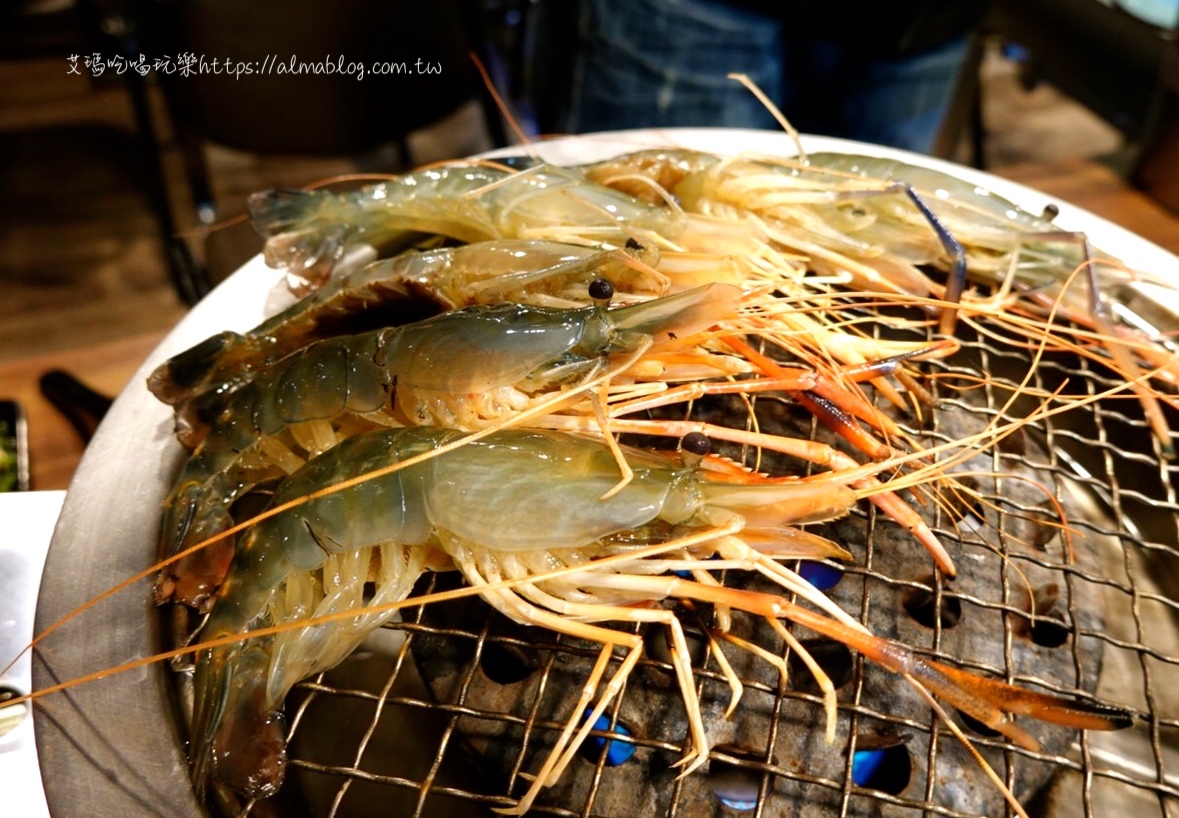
pixel 664 63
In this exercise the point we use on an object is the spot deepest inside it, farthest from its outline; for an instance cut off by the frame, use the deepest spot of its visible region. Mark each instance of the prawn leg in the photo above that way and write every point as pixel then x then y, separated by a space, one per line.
pixel 1099 315
pixel 829 407
pixel 953 248
pixel 956 282
pixel 1124 363
pixel 569 741
pixel 989 701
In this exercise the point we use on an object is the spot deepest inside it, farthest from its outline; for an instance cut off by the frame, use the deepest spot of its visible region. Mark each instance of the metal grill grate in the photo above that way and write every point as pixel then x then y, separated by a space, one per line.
pixel 380 736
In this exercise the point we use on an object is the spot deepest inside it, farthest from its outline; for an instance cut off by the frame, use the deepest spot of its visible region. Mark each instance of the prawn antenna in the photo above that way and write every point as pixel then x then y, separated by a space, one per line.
pixel 504 110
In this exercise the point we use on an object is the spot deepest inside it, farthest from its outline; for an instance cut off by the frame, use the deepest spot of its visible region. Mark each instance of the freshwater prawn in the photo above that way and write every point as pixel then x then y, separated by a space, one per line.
pixel 308 231
pixel 427 496
pixel 881 222
pixel 391 292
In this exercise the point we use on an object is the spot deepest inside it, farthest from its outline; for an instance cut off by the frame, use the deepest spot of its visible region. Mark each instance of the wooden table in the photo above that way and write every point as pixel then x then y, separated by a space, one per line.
pixel 55 447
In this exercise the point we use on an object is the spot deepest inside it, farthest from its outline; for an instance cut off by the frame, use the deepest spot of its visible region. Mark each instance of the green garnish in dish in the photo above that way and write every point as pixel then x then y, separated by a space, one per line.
pixel 8 474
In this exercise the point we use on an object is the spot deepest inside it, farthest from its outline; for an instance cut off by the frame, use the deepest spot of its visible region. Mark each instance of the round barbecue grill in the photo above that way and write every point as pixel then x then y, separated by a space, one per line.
pixel 447 711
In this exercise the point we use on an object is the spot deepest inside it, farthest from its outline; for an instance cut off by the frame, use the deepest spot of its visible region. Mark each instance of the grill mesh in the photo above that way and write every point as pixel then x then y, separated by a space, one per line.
pixel 373 737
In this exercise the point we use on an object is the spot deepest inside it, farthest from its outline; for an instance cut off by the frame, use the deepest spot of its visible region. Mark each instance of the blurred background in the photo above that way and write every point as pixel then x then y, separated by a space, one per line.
pixel 113 169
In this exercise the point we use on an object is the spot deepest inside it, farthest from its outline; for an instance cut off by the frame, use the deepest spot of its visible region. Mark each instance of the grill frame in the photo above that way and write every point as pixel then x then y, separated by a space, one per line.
pixel 853 799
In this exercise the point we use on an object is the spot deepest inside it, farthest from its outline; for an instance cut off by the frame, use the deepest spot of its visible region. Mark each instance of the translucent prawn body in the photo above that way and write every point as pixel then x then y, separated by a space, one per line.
pixel 480 503
pixel 394 292
pixel 463 369
pixel 308 232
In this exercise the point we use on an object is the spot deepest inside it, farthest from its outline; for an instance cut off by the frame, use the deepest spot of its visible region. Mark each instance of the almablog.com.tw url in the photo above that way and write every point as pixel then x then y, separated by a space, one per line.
pixel 190 65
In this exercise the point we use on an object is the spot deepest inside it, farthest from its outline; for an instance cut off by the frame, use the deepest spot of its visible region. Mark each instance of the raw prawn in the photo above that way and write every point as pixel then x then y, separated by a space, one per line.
pixel 795 210
pixel 878 221
pixel 594 560
pixel 465 369
pixel 308 231
pixel 392 292
pixel 858 207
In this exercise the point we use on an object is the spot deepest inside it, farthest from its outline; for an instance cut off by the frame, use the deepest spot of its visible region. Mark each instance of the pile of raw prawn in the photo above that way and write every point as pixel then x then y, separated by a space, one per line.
pixel 464 403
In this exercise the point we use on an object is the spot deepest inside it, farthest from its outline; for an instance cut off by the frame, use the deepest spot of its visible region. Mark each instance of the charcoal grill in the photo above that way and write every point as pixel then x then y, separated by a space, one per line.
pixel 415 722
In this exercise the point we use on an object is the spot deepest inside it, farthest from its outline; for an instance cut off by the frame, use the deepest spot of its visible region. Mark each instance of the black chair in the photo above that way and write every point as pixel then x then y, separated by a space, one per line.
pixel 73 30
pixel 1121 68
pixel 1100 55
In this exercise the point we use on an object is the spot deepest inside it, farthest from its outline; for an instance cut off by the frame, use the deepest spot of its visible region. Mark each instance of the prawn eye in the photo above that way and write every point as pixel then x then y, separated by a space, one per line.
pixel 695 443
pixel 601 291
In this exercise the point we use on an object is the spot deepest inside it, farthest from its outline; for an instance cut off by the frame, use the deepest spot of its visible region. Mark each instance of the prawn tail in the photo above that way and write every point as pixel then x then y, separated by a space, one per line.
pixel 201 381
pixel 297 242
pixel 238 740
pixel 195 524
pixel 280 210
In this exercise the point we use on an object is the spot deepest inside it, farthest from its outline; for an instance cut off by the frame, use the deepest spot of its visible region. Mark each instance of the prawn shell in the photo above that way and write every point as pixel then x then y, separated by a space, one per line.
pixel 476 349
pixel 566 513
pixel 385 509
pixel 344 377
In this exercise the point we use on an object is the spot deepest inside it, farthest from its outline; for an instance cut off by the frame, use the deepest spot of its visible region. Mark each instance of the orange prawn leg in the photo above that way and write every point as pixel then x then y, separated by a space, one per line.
pixel 903 515
pixel 836 406
pixel 1123 362
pixel 1042 706
pixel 798 385
pixel 832 416
pixel 989 701
pixel 791 381
pixel 1116 345
pixel 1125 365
pixel 872 371
pixel 830 408
pixel 858 360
